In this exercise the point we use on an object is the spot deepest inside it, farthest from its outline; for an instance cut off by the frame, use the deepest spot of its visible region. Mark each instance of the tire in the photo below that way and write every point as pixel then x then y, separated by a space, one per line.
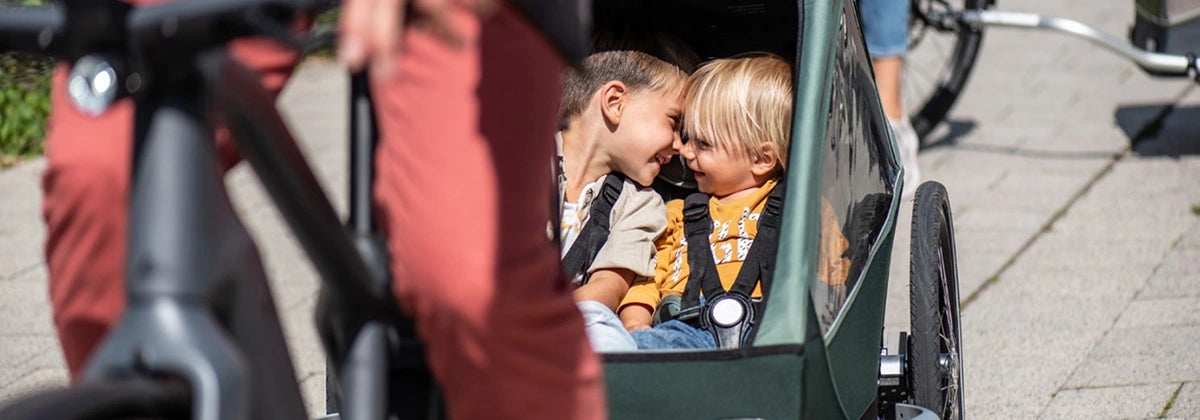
pixel 938 60
pixel 935 345
pixel 133 398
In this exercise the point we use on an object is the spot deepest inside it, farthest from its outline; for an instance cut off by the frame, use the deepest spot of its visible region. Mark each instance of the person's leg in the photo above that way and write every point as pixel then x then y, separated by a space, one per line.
pixel 885 26
pixel 604 329
pixel 462 193
pixel 673 335
pixel 85 204
pixel 887 80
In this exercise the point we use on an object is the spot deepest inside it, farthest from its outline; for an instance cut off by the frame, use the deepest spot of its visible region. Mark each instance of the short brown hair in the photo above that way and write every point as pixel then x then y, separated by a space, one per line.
pixel 637 70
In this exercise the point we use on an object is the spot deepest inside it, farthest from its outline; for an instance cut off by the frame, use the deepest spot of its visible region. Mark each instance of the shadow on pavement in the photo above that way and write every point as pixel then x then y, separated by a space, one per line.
pixel 958 130
pixel 1178 134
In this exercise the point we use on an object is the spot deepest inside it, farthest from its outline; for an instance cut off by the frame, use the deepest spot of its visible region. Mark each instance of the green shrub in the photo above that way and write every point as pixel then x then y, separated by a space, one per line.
pixel 24 100
pixel 24 104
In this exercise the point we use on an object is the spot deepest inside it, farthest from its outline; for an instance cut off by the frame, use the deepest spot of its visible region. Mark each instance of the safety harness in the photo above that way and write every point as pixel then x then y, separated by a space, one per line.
pixel 595 232
pixel 731 316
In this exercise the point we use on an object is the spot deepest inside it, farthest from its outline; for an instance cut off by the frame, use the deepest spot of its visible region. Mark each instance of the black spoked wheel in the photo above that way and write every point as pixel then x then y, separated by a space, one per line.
pixel 134 398
pixel 942 49
pixel 935 346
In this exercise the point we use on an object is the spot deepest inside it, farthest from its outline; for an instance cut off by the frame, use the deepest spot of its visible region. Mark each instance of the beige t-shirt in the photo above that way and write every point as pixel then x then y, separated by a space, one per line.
pixel 638 217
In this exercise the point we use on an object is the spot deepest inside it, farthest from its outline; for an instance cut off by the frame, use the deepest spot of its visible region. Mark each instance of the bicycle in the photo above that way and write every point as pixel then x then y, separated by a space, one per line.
pixel 936 74
pixel 200 335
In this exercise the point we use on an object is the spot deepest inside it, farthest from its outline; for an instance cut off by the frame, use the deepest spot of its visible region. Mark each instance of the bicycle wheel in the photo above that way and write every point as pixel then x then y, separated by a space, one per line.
pixel 132 398
pixel 941 53
pixel 935 346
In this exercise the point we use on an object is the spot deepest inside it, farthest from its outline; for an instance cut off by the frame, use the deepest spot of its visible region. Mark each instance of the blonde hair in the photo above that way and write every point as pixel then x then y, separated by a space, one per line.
pixel 743 104
pixel 637 70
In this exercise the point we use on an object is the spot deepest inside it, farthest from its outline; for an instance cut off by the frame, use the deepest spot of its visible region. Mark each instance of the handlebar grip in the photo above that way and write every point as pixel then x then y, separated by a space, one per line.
pixel 31 29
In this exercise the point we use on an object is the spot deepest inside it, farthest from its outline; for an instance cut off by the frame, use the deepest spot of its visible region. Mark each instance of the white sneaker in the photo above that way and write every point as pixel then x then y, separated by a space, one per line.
pixel 907 141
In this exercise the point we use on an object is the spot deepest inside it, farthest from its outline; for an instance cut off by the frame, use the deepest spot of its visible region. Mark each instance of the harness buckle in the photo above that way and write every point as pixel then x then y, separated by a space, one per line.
pixel 693 214
pixel 730 318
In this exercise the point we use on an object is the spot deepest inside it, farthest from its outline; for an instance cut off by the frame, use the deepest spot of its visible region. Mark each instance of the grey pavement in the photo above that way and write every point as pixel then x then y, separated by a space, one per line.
pixel 1079 255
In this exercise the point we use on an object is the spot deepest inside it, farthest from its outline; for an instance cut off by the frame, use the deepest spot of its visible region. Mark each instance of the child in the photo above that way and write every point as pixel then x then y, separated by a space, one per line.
pixel 622 111
pixel 738 116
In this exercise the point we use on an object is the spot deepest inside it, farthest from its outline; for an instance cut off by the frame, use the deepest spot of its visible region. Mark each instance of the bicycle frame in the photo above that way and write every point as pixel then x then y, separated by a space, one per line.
pixel 199 306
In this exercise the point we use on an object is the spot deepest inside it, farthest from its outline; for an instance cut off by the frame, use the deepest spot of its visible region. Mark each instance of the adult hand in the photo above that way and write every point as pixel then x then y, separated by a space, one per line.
pixel 370 30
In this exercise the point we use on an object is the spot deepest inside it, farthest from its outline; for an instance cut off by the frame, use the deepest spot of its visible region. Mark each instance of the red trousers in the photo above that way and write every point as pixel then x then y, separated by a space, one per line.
pixel 461 191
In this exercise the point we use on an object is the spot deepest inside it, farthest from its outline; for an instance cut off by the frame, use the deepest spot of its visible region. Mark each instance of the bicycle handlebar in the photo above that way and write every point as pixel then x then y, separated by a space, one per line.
pixel 30 29
pixel 70 30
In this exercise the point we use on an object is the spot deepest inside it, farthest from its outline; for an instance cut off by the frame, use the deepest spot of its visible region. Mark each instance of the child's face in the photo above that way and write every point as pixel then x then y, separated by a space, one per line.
pixel 648 128
pixel 719 170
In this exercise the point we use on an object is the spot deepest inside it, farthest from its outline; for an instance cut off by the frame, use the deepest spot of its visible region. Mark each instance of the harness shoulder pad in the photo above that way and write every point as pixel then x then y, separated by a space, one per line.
pixel 695 207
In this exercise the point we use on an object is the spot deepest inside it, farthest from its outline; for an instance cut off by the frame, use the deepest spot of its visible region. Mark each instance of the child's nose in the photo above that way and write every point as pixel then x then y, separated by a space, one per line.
pixel 685 150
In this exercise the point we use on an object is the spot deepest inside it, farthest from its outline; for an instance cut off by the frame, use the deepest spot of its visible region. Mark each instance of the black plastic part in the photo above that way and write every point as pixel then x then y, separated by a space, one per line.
pixel 125 398
pixel 32 29
pixel 732 336
pixel 363 139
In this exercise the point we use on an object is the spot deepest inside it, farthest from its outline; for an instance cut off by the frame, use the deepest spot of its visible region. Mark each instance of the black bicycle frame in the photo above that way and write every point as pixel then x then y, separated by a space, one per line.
pixel 199 306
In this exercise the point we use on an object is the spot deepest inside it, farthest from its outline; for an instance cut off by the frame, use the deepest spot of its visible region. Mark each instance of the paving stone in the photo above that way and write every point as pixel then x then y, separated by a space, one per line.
pixel 1168 312
pixel 312 388
pixel 26 305
pixel 21 230
pixel 22 355
pixel 1187 403
pixel 1150 341
pixel 1141 355
pixel 1191 239
pixel 1177 276
pixel 1135 369
pixel 1012 387
pixel 1137 401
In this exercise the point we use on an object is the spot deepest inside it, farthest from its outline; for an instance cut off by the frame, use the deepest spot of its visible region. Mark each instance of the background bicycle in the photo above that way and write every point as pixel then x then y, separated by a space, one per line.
pixel 945 37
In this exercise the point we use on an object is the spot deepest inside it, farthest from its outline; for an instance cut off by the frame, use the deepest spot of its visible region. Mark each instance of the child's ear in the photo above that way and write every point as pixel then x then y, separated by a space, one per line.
pixel 765 162
pixel 614 95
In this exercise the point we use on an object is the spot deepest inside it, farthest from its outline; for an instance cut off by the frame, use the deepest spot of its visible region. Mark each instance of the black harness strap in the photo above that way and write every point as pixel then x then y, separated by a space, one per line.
pixel 595 233
pixel 761 256
pixel 758 266
pixel 697 228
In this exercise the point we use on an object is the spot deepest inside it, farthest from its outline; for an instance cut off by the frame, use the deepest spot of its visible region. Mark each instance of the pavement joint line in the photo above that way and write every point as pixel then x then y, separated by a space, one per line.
pixel 22 271
pixel 1170 401
pixel 311 375
pixel 25 360
pixel 1122 385
pixel 1147 130
pixel 19 378
pixel 1174 244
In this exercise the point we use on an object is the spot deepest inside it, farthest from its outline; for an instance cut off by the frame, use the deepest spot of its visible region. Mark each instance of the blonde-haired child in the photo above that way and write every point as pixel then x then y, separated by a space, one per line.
pixel 737 127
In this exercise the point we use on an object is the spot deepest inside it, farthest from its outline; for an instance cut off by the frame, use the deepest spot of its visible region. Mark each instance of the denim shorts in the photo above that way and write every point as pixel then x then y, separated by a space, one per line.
pixel 885 25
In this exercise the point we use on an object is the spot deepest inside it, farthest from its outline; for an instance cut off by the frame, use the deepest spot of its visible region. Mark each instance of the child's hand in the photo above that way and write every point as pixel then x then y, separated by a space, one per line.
pixel 636 317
